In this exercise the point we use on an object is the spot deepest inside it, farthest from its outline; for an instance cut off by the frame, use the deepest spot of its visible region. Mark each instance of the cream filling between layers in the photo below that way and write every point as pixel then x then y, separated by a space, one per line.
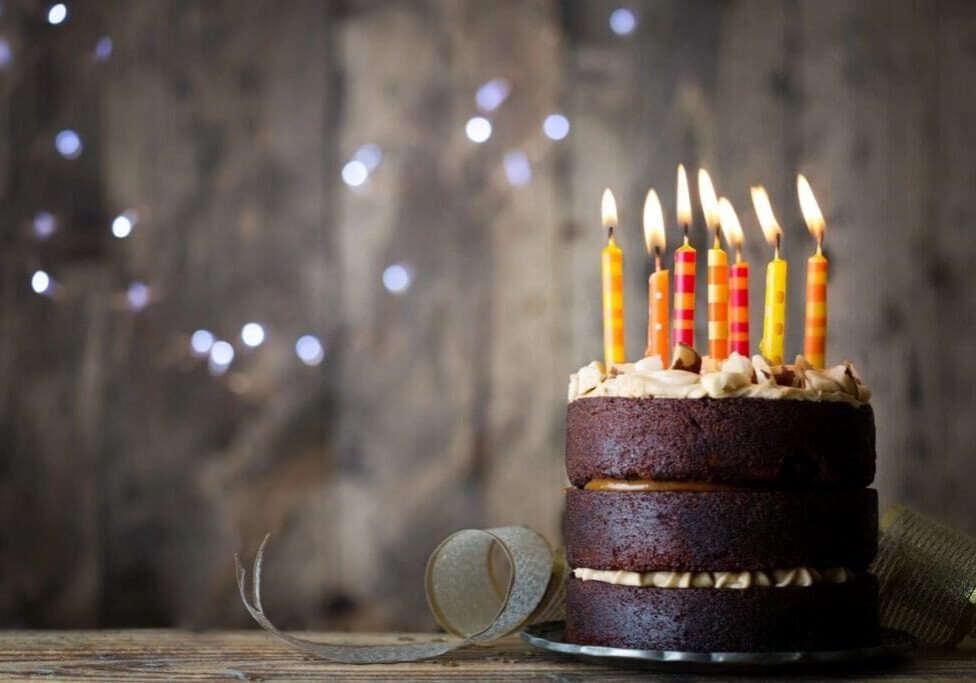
pixel 775 578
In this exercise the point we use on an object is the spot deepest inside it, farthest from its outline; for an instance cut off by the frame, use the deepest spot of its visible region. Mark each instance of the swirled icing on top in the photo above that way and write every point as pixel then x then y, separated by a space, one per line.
pixel 735 377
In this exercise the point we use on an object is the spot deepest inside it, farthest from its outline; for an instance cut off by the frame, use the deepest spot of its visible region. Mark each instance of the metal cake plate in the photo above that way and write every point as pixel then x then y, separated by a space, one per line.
pixel 549 636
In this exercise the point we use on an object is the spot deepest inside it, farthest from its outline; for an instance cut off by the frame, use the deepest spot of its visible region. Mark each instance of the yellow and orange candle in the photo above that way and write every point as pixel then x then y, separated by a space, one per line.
pixel 657 283
pixel 815 318
pixel 717 295
pixel 774 310
pixel 738 281
pixel 612 277
pixel 683 320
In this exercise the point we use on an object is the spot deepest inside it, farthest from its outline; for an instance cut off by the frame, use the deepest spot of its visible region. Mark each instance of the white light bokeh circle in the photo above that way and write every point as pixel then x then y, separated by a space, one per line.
pixel 68 143
pixel 397 278
pixel 623 21
pixel 221 356
pixel 309 350
pixel 478 129
pixel 355 173
pixel 492 94
pixel 517 168
pixel 44 224
pixel 252 334
pixel 369 155
pixel 201 341
pixel 137 296
pixel 555 126
pixel 41 282
pixel 122 226
pixel 57 13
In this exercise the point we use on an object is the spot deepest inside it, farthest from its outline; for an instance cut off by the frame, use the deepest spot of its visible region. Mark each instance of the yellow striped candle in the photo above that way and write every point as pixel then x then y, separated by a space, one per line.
pixel 612 275
pixel 774 310
pixel 683 320
pixel 657 283
pixel 815 318
pixel 717 294
pixel 738 281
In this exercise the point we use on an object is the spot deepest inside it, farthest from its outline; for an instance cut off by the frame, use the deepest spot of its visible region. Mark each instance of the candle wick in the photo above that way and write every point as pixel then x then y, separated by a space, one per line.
pixel 684 227
pixel 718 240
pixel 820 244
pixel 610 232
pixel 657 259
pixel 778 238
pixel 738 255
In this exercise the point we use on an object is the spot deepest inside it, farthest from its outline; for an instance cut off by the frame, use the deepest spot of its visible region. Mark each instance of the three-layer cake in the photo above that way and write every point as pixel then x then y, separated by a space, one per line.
pixel 720 509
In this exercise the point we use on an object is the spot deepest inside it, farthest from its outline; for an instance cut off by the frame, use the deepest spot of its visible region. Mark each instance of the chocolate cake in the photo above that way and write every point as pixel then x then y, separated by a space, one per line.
pixel 720 508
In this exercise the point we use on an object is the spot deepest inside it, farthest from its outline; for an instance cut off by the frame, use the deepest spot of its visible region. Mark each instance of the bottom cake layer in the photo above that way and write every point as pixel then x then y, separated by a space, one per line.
pixel 761 619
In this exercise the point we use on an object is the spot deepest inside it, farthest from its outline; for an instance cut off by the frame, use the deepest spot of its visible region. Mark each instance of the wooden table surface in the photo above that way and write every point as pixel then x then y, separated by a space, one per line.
pixel 254 655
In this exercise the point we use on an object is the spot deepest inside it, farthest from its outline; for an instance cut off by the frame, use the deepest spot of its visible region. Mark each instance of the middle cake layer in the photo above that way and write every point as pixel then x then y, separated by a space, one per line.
pixel 720 530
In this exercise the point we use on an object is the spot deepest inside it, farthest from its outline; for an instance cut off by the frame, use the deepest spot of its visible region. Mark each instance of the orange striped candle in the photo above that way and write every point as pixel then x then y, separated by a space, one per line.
pixel 657 284
pixel 815 319
pixel 717 294
pixel 683 317
pixel 738 281
pixel 612 273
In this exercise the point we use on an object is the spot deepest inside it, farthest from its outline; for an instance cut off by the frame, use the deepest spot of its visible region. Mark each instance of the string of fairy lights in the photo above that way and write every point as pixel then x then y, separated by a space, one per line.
pixel 203 344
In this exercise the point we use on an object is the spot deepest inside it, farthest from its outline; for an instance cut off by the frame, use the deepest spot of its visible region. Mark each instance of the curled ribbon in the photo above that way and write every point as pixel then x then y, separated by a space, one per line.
pixel 462 591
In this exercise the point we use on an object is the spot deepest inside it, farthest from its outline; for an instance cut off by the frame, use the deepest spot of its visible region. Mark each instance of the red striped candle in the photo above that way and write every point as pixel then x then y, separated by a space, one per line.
pixel 683 320
pixel 738 281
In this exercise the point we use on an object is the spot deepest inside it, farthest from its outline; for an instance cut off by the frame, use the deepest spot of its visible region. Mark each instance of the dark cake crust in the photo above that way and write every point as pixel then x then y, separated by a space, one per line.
pixel 750 441
pixel 720 530
pixel 823 616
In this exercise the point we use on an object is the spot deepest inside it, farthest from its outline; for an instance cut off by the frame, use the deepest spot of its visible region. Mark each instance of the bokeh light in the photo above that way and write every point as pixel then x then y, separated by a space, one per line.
pixel 397 278
pixel 221 356
pixel 555 126
pixel 492 94
pixel 623 21
pixel 123 224
pixel 478 129
pixel 309 350
pixel 252 334
pixel 44 225
pixel 355 173
pixel 68 144
pixel 201 341
pixel 103 49
pixel 369 155
pixel 57 13
pixel 6 54
pixel 137 296
pixel 517 168
pixel 41 282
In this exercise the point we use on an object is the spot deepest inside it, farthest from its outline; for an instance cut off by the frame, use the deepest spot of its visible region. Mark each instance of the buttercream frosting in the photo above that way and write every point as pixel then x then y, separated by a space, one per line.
pixel 735 377
pixel 775 578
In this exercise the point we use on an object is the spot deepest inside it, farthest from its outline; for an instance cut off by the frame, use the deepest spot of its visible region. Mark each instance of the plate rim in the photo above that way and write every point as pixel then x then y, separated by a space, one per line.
pixel 899 644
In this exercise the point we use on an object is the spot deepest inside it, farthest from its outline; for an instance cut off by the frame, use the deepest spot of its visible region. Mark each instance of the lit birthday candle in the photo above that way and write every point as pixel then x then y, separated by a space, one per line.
pixel 718 273
pixel 774 311
pixel 738 281
pixel 612 273
pixel 683 322
pixel 815 319
pixel 657 283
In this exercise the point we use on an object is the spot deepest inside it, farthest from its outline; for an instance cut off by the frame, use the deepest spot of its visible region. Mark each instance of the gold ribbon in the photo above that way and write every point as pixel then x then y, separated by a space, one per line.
pixel 463 592
pixel 926 571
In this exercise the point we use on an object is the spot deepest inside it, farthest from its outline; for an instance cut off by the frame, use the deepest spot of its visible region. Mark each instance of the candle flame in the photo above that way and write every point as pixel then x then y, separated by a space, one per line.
pixel 770 228
pixel 684 198
pixel 810 209
pixel 706 193
pixel 608 210
pixel 730 224
pixel 653 223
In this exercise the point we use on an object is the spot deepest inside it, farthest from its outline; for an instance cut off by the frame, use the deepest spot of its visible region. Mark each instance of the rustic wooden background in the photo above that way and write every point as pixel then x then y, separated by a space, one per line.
pixel 129 475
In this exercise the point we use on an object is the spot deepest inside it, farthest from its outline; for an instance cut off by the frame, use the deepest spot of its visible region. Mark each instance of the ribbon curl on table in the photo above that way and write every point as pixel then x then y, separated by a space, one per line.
pixel 462 591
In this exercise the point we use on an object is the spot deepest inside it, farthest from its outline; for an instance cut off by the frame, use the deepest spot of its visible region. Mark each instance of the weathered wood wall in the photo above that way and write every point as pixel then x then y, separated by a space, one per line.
pixel 129 475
